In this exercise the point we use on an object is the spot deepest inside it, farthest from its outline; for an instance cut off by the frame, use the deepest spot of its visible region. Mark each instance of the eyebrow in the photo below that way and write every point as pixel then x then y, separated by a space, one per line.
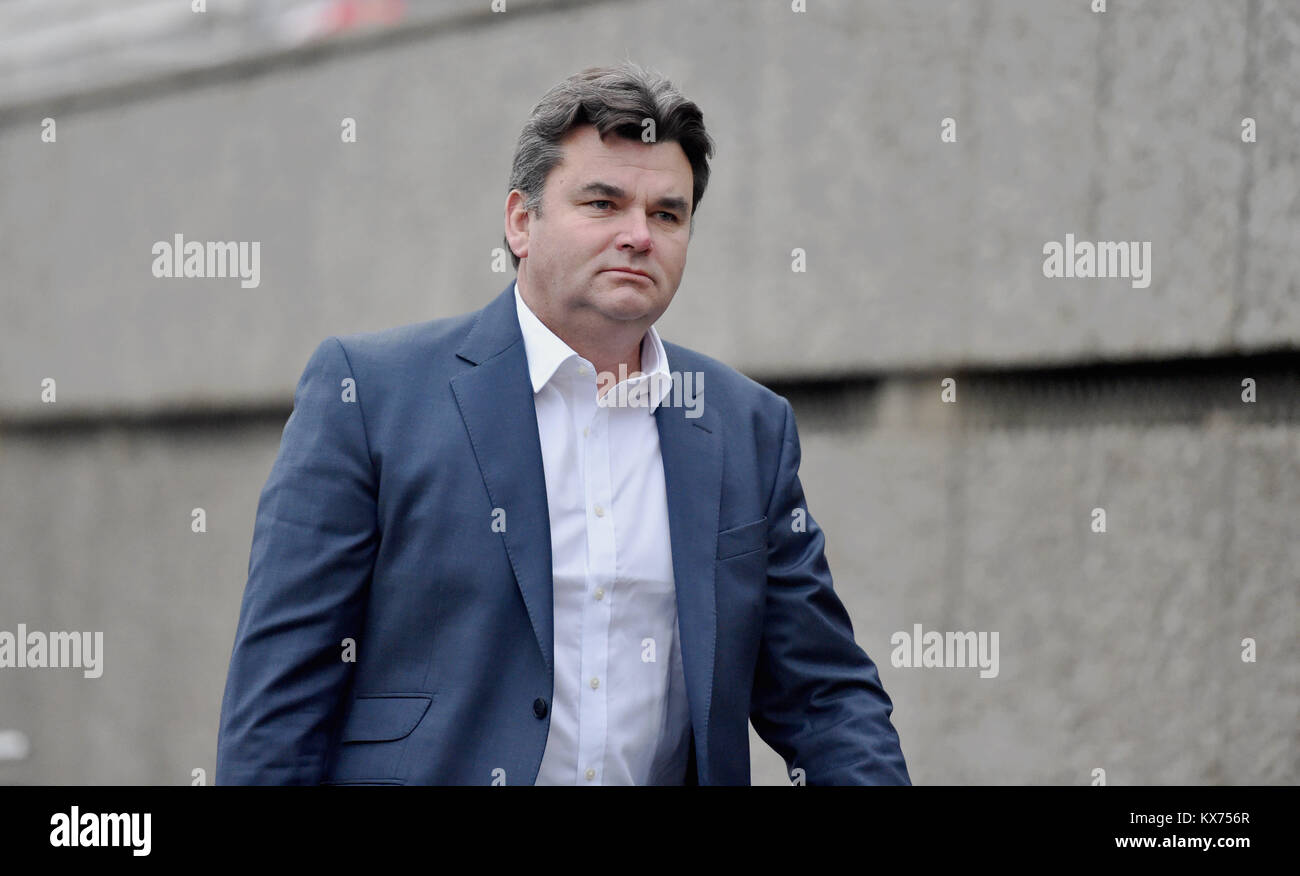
pixel 613 191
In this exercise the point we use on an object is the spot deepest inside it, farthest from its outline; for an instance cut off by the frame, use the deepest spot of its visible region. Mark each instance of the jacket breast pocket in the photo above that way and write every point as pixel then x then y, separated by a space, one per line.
pixel 743 539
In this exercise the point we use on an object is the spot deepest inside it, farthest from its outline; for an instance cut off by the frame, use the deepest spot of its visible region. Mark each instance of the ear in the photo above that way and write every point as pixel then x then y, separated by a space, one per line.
pixel 516 221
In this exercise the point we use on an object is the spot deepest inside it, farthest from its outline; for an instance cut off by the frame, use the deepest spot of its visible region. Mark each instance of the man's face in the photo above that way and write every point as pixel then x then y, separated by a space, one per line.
pixel 613 204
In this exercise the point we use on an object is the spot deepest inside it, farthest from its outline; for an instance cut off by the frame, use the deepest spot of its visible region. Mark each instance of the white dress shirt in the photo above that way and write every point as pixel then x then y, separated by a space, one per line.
pixel 619 713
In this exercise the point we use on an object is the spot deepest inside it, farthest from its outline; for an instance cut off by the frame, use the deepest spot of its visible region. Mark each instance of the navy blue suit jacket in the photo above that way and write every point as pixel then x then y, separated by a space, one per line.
pixel 375 526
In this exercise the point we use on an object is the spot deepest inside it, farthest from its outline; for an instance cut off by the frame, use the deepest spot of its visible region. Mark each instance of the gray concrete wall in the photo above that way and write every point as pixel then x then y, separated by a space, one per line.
pixel 1120 126
pixel 1118 650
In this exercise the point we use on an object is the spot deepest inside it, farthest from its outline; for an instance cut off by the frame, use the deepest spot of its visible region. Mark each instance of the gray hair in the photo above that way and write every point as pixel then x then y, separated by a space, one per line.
pixel 614 100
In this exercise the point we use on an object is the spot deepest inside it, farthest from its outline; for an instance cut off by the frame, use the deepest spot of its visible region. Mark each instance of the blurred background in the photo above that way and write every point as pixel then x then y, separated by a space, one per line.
pixel 1175 407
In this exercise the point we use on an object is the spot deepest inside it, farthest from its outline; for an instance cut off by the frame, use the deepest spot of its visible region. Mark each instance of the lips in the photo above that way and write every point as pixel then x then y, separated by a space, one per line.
pixel 628 271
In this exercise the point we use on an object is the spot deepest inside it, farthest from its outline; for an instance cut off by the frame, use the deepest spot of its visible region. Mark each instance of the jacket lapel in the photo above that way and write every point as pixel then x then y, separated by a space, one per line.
pixel 496 403
pixel 692 454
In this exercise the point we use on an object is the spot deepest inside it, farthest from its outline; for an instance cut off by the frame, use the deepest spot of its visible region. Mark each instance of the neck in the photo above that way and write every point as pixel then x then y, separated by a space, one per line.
pixel 608 347
pixel 629 362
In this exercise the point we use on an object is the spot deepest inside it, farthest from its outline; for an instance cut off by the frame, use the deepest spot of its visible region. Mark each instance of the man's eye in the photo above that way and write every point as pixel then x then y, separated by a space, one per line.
pixel 672 217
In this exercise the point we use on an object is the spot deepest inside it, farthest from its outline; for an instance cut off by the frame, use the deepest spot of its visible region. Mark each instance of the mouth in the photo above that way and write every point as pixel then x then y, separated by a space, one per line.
pixel 627 272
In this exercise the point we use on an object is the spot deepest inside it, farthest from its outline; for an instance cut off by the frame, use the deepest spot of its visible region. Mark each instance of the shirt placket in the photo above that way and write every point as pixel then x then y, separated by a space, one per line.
pixel 596 607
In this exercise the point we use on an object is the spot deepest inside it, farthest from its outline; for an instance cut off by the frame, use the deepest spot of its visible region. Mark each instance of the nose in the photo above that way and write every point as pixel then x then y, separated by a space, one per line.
pixel 635 233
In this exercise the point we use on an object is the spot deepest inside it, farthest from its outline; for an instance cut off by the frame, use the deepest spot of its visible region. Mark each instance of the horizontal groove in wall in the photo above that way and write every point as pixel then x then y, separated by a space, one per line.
pixel 1185 391
pixel 1190 391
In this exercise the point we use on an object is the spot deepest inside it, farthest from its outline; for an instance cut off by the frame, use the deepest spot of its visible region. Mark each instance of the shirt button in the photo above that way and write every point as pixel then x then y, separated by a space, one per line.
pixel 591 774
pixel 600 592
pixel 600 512
pixel 582 369
pixel 595 683
pixel 585 431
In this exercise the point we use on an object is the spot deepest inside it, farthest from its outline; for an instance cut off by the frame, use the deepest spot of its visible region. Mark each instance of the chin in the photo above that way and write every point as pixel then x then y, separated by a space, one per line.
pixel 626 314
pixel 627 307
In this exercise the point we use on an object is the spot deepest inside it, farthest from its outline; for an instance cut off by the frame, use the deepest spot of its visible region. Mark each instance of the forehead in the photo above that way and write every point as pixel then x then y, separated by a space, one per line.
pixel 586 155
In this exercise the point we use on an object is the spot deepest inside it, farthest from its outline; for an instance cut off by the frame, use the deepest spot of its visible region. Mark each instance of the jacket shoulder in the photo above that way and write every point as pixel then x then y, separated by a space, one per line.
pixel 407 343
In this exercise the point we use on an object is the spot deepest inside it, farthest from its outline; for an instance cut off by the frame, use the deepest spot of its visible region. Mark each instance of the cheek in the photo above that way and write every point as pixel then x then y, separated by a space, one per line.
pixel 675 255
pixel 582 243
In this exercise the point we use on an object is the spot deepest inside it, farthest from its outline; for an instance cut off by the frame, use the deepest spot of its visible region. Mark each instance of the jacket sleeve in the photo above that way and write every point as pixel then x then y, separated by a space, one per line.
pixel 817 697
pixel 313 551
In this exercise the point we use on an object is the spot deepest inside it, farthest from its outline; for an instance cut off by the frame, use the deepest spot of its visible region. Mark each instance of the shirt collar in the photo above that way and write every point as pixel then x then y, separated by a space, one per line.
pixel 546 354
pixel 545 351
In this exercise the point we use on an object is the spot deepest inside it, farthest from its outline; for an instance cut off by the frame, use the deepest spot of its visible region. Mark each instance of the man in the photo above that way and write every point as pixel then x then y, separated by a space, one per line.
pixel 524 546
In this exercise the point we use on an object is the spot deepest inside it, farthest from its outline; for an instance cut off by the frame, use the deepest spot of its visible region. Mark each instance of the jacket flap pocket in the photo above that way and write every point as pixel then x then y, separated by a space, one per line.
pixel 384 718
pixel 742 539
